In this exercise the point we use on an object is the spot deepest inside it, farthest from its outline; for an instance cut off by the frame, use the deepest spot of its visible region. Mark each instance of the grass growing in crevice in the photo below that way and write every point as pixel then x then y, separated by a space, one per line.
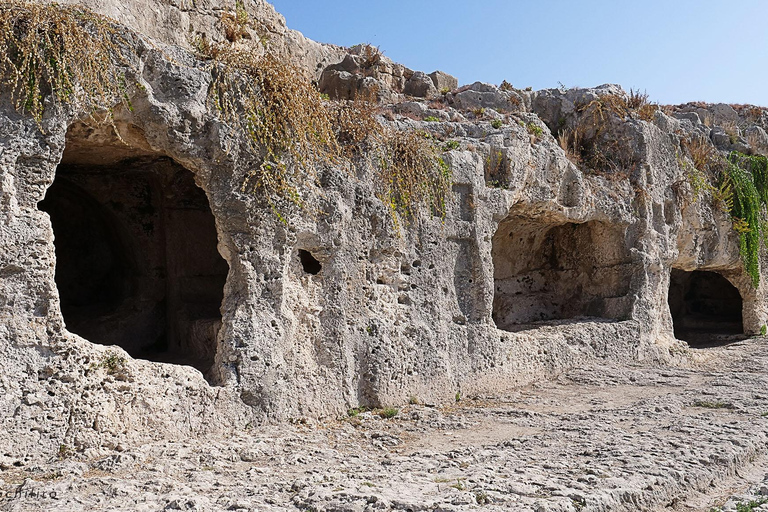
pixel 388 413
pixel 751 505
pixel 709 404
pixel 65 53
pixel 592 139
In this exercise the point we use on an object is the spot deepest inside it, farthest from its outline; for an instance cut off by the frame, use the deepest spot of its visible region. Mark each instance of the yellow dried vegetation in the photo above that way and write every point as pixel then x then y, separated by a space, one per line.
pixel 65 53
pixel 69 55
pixel 587 139
pixel 281 114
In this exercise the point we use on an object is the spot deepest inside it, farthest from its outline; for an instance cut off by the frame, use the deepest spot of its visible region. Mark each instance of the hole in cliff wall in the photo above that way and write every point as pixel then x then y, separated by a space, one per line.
pixel 309 263
pixel 545 270
pixel 136 258
pixel 706 308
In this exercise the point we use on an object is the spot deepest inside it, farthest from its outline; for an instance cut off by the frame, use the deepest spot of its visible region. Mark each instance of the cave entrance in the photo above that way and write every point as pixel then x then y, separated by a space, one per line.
pixel 706 308
pixel 137 263
pixel 545 270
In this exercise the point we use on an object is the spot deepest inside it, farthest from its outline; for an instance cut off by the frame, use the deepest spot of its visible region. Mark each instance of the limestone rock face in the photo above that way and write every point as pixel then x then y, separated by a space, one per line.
pixel 539 263
pixel 443 81
pixel 420 85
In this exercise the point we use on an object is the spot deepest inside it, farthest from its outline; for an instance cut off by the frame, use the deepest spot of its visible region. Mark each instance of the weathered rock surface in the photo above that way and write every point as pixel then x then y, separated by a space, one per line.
pixel 599 438
pixel 539 266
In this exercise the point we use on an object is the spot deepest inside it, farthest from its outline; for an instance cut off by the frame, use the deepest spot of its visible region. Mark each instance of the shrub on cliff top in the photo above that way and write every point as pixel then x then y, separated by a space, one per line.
pixel 589 139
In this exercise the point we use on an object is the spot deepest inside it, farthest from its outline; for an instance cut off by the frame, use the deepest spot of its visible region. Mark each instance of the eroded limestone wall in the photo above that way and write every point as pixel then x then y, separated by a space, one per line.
pixel 395 311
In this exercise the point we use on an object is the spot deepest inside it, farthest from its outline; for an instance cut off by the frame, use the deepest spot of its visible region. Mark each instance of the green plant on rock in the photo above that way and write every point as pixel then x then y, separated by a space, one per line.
pixel 352 413
pixel 697 179
pixel 64 452
pixel 747 176
pixel 496 168
pixel 534 130
pixel 460 485
pixel 750 505
pixel 497 123
pixel 412 171
pixel 388 413
pixel 65 53
pixel 451 144
pixel 112 362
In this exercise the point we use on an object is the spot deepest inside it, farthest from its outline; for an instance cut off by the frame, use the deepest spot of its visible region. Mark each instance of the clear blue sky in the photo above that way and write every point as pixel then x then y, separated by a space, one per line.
pixel 676 50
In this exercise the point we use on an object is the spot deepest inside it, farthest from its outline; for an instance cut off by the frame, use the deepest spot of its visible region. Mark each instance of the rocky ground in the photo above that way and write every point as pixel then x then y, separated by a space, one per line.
pixel 605 437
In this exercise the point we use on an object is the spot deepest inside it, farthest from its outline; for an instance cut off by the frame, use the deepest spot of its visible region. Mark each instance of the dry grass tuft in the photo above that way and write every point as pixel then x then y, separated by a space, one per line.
pixel 63 52
pixel 283 116
pixel 732 130
pixel 702 153
pixel 571 142
pixel 413 172
pixel 756 143
pixel 356 127
pixel 647 112
pixel 235 24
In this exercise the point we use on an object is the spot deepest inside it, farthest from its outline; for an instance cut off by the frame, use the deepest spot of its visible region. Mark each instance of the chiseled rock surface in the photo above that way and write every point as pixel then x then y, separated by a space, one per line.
pixel 599 438
pixel 581 259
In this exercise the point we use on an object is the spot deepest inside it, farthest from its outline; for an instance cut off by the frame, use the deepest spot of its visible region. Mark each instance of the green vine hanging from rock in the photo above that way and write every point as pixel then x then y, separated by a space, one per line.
pixel 747 177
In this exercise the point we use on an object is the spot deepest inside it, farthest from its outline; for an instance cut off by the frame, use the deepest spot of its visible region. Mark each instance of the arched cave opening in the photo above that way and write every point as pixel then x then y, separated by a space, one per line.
pixel 137 263
pixel 544 270
pixel 706 308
